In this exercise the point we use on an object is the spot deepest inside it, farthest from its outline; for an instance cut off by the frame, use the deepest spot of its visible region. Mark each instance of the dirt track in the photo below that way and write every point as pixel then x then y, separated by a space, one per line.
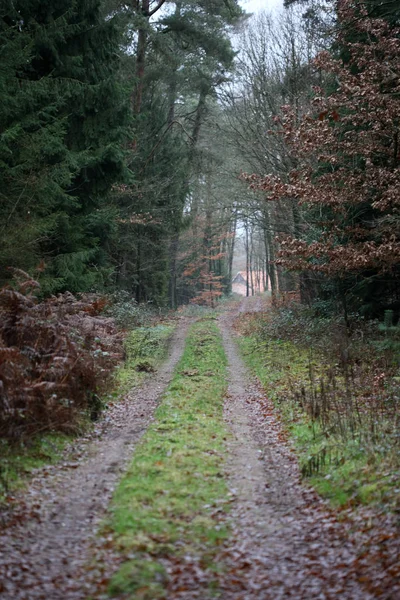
pixel 287 545
pixel 45 557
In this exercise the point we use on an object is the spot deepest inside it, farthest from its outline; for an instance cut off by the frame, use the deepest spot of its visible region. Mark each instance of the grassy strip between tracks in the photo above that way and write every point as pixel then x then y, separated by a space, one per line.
pixel 166 511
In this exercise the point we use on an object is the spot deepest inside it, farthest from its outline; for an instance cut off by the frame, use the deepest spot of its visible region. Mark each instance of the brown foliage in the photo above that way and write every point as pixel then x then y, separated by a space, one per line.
pixel 347 155
pixel 52 362
pixel 203 259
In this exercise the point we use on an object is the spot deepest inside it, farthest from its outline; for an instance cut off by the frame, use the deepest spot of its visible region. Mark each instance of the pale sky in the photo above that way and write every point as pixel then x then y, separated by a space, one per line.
pixel 254 6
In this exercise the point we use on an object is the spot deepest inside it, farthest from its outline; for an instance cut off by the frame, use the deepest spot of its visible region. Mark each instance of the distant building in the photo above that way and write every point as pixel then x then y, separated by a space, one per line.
pixel 256 283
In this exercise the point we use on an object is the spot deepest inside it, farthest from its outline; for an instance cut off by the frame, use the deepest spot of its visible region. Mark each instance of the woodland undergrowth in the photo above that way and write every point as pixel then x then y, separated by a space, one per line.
pixel 58 360
pixel 338 391
pixel 144 349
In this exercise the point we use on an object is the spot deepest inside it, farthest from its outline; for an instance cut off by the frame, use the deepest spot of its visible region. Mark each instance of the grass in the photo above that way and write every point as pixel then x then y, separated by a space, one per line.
pixel 163 509
pixel 19 461
pixel 145 349
pixel 347 469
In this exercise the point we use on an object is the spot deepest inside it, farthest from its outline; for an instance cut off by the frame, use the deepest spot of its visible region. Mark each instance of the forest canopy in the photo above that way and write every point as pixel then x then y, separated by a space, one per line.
pixel 125 129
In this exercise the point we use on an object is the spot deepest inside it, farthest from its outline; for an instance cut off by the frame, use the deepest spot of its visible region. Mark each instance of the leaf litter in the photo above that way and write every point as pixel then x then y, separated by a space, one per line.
pixel 286 542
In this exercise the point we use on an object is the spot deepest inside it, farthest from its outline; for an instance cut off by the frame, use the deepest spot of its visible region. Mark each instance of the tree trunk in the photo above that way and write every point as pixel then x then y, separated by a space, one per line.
pixel 200 111
pixel 138 273
pixel 247 259
pixel 305 283
pixel 172 98
pixel 173 252
pixel 270 253
pixel 231 253
pixel 173 85
pixel 251 261
pixel 140 60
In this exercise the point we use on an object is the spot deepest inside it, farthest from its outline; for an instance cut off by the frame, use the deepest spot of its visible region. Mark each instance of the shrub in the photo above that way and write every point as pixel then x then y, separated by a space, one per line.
pixel 54 359
pixel 128 313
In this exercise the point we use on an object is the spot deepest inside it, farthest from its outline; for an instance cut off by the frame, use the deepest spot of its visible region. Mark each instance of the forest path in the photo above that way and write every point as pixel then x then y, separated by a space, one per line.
pixel 45 557
pixel 287 544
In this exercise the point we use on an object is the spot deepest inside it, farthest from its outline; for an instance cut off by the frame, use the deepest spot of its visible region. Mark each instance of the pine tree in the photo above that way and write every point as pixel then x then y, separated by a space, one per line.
pixel 63 120
pixel 186 56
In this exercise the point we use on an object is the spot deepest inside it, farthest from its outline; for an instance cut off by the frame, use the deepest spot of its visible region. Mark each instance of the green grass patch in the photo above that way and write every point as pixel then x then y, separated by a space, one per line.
pixel 145 349
pixel 279 362
pixel 18 461
pixel 163 507
pixel 346 470
pixel 354 481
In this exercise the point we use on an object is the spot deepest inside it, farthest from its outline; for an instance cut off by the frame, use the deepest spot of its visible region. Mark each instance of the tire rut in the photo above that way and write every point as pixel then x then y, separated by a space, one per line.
pixel 287 544
pixel 47 557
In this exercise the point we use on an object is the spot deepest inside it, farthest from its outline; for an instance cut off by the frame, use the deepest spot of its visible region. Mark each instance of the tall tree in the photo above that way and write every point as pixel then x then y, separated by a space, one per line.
pixel 63 120
pixel 348 171
pixel 273 69
pixel 188 54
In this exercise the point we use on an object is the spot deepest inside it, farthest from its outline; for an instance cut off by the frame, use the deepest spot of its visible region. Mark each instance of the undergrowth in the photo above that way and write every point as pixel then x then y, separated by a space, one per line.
pixel 145 348
pixel 54 365
pixel 57 360
pixel 129 314
pixel 165 510
pixel 338 397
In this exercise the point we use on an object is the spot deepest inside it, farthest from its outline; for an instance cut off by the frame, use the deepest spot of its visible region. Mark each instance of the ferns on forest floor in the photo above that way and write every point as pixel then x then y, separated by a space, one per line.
pixel 56 358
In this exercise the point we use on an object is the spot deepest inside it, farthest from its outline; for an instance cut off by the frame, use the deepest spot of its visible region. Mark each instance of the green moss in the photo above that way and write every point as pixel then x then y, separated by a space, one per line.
pixel 19 460
pixel 356 481
pixel 144 578
pixel 163 506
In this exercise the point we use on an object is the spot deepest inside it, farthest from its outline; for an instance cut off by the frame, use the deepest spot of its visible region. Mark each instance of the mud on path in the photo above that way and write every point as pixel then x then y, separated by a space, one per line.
pixel 46 557
pixel 287 544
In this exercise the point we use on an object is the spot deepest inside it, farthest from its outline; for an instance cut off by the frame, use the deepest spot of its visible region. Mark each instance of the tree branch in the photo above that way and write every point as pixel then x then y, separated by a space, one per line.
pixel 156 8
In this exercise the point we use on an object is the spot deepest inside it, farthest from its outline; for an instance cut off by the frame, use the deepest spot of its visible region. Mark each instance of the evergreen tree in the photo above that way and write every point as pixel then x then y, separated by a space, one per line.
pixel 179 59
pixel 63 120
